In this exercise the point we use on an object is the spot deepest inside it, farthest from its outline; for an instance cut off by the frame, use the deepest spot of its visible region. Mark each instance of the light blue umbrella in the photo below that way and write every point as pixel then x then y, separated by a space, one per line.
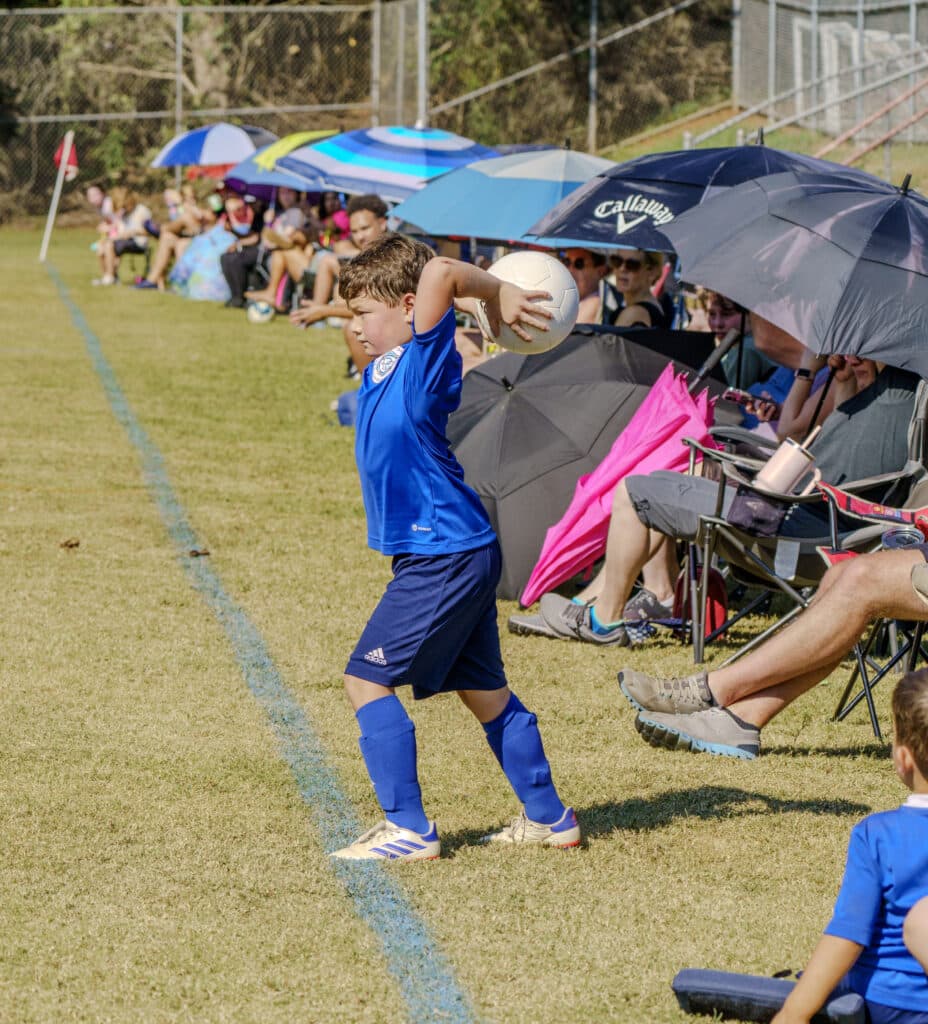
pixel 213 145
pixel 393 162
pixel 502 198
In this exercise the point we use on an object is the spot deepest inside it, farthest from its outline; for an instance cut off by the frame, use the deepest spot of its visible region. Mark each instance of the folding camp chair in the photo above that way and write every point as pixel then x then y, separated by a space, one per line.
pixel 789 566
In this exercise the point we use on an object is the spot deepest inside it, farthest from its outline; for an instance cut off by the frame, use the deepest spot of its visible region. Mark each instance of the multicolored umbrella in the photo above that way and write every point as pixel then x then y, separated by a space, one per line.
pixel 213 145
pixel 267 157
pixel 500 198
pixel 393 162
pixel 258 175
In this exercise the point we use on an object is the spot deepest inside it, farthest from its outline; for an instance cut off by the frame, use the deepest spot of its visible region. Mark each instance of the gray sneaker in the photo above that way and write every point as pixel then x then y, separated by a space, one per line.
pixel 714 731
pixel 674 696
pixel 572 622
pixel 645 606
pixel 531 625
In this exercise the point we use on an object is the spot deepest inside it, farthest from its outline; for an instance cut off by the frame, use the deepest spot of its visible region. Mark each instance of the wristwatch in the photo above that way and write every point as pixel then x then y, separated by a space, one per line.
pixel 803 373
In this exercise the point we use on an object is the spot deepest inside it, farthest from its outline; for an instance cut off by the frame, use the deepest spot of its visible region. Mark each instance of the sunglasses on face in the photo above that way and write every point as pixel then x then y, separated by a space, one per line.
pixel 629 262
pixel 578 264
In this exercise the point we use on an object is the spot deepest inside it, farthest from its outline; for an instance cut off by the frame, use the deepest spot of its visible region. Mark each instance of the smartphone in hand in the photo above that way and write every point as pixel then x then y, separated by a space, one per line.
pixel 739 396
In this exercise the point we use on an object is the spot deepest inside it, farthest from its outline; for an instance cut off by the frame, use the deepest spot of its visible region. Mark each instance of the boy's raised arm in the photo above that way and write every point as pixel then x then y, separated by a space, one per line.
pixel 444 280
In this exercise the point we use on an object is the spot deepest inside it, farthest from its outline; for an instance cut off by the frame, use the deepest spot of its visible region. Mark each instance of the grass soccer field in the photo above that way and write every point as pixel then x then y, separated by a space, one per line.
pixel 177 756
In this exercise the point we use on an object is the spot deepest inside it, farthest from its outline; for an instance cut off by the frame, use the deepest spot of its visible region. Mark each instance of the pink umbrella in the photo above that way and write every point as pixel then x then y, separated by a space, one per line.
pixel 652 440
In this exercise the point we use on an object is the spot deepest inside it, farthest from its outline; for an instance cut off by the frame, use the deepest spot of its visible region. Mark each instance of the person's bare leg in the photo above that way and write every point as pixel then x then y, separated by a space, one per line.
pixel 660 572
pixel 166 248
pixel 915 932
pixel 629 546
pixel 296 261
pixel 276 271
pixel 485 705
pixel 326 276
pixel 853 594
pixel 363 691
pixel 109 260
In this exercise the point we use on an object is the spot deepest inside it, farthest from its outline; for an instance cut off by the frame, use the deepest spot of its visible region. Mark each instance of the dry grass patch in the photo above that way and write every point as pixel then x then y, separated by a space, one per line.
pixel 159 862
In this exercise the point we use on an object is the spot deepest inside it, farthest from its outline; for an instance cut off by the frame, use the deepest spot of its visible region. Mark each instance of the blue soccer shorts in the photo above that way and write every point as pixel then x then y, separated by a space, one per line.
pixel 435 626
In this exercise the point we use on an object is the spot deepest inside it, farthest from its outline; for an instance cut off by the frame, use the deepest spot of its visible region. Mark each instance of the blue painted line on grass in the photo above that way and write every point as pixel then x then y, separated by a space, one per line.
pixel 422 971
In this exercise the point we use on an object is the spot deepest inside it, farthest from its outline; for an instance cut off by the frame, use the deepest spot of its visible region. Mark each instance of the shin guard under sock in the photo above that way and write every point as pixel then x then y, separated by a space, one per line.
pixel 388 746
pixel 515 740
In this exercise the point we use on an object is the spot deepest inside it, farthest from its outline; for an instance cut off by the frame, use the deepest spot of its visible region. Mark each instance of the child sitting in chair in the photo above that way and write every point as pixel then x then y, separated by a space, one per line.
pixel 876 944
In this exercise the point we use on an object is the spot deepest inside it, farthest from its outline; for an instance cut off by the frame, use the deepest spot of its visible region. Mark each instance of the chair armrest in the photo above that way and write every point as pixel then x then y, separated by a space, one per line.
pixel 719 455
pixel 734 475
pixel 741 435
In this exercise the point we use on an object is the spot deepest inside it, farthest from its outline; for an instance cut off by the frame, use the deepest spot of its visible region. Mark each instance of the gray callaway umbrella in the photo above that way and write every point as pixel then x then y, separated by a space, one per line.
pixel 529 426
pixel 841 265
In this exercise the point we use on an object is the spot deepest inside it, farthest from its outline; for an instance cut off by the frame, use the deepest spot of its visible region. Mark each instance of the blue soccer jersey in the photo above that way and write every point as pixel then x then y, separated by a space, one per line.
pixel 414 492
pixel 886 874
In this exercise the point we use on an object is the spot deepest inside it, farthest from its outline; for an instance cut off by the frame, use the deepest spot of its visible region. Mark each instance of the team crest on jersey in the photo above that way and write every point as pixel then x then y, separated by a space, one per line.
pixel 386 364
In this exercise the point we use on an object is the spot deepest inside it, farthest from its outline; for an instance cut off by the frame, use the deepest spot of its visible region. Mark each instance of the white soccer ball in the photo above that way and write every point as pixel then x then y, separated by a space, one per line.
pixel 259 312
pixel 536 271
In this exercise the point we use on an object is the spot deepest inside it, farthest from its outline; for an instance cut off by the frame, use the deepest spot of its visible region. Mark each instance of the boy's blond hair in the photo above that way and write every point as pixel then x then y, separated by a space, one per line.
pixel 910 716
pixel 387 270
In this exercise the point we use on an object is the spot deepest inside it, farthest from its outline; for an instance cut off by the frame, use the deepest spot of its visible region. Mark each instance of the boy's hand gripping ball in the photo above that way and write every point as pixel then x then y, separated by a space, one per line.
pixel 535 271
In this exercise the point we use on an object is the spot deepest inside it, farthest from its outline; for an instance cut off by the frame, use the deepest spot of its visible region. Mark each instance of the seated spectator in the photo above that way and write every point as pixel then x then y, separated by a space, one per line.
pixel 367 218
pixel 243 219
pixel 127 236
pixel 599 300
pixel 283 238
pixel 186 220
pixel 868 946
pixel 334 228
pixel 636 272
pixel 865 436
pixel 722 316
pixel 103 204
pixel 723 711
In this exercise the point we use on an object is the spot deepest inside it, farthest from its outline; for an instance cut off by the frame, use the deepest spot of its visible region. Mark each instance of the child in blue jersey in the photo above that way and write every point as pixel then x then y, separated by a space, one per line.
pixel 435 627
pixel 877 941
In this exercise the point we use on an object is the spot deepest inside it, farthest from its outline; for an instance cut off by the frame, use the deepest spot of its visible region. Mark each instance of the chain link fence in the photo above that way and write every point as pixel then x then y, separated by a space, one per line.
pixel 831 64
pixel 127 79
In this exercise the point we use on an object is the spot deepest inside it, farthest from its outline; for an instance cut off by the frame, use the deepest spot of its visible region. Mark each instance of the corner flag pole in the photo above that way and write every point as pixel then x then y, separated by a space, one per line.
pixel 56 195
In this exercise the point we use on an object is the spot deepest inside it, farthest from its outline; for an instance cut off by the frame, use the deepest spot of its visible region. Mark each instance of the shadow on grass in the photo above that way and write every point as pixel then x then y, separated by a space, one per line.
pixel 876 751
pixel 705 802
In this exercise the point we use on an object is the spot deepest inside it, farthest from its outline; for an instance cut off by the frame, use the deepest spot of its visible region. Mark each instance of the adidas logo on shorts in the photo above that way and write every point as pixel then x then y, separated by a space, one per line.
pixel 376 656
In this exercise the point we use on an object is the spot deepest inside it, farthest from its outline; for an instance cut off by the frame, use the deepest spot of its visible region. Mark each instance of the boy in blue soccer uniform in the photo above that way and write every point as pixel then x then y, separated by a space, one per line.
pixel 435 627
pixel 875 944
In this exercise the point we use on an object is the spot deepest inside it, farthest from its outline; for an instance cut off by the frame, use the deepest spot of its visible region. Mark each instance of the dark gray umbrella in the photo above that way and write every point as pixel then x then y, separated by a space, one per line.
pixel 529 426
pixel 840 265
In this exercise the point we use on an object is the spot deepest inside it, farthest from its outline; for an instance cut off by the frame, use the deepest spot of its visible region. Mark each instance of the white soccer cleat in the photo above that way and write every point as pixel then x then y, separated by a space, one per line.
pixel 564 833
pixel 386 841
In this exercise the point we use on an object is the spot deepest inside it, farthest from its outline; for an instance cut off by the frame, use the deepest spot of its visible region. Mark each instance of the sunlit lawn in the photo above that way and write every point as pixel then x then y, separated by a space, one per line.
pixel 157 861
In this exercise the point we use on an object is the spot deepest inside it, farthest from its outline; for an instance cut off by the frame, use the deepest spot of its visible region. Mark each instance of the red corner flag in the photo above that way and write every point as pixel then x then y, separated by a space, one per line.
pixel 70 171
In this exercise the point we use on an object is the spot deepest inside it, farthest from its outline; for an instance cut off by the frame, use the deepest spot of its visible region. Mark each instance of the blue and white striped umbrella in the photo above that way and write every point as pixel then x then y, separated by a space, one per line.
pixel 393 162
pixel 499 199
pixel 213 145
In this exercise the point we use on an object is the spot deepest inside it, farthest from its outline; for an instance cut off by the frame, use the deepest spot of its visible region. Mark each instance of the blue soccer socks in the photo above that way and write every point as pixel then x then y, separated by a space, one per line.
pixel 388 746
pixel 515 740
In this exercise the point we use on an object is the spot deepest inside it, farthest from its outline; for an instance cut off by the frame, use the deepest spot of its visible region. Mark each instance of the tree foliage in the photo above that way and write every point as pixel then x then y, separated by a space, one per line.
pixel 268 57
